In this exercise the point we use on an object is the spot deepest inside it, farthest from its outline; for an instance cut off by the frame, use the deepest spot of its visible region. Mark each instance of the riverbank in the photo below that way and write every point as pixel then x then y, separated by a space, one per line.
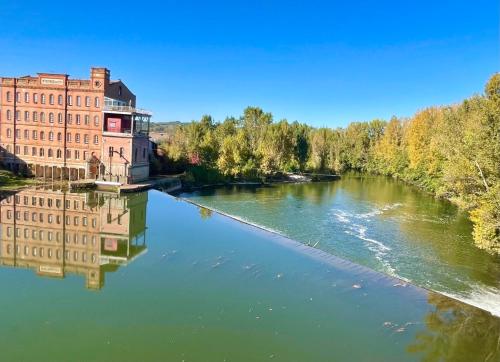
pixel 191 183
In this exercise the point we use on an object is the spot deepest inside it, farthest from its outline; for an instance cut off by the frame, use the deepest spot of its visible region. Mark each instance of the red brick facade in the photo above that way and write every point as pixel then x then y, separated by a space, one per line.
pixel 55 127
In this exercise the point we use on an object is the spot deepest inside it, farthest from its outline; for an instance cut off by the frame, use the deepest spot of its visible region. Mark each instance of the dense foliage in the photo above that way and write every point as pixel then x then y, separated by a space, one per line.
pixel 453 152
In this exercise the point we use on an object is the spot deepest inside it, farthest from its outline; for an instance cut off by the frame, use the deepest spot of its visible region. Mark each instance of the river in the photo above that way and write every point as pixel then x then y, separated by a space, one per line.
pixel 377 222
pixel 146 276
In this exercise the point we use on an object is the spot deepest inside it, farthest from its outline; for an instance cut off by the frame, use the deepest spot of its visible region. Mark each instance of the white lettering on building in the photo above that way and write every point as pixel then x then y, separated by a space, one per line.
pixel 52 81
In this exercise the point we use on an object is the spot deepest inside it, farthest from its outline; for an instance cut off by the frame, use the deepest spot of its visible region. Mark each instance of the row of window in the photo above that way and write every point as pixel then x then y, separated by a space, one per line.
pixel 40 252
pixel 57 219
pixel 35 98
pixel 40 152
pixel 35 135
pixel 35 116
pixel 38 234
pixel 40 201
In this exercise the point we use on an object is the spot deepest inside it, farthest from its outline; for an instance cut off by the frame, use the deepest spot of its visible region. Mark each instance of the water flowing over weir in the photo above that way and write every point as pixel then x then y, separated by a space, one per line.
pixel 155 278
pixel 376 222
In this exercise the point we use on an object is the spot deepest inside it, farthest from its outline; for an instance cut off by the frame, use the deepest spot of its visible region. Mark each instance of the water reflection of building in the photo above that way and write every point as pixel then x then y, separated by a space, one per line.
pixel 58 233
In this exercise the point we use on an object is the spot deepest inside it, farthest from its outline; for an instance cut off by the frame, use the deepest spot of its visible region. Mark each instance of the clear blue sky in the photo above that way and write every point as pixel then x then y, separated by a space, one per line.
pixel 320 62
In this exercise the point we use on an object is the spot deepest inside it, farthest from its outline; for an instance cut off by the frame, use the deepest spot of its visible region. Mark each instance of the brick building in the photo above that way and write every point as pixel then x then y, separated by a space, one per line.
pixel 55 127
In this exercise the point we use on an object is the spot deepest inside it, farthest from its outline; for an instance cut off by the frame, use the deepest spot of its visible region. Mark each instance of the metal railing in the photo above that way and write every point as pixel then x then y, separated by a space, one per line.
pixel 126 109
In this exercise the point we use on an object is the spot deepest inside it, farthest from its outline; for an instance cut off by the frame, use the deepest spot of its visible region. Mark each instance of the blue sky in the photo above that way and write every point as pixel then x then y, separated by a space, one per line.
pixel 319 62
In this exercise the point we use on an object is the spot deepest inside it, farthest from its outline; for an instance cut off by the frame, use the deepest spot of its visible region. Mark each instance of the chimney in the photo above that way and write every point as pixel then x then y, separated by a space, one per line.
pixel 99 78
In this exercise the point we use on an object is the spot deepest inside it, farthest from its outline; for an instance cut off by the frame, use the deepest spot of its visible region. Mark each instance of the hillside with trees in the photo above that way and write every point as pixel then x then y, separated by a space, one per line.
pixel 451 151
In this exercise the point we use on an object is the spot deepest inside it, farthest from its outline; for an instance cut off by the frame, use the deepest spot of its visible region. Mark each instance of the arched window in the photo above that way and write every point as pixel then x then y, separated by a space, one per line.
pixel 34 134
pixel 60 118
pixel 51 117
pixel 87 101
pixel 42 117
pixel 26 97
pixel 60 100
pixel 8 96
pixel 50 153
pixel 42 98
pixel 51 99
pixel 35 116
pixel 77 137
pixel 9 133
pixel 26 134
pixel 42 152
pixel 59 137
pixel 97 102
pixel 59 154
pixel 42 135
pixel 86 139
pixel 96 139
pixel 33 151
pixel 96 121
pixel 78 101
pixel 68 137
pixel 26 116
pixel 9 114
pixel 51 136
pixel 87 119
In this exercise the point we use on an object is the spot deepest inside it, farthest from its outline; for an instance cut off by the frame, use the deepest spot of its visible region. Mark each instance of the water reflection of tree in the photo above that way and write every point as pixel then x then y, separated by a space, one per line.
pixel 205 213
pixel 457 332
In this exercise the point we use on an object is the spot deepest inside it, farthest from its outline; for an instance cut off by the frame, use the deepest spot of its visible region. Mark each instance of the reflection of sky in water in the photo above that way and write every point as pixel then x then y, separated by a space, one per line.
pixel 379 223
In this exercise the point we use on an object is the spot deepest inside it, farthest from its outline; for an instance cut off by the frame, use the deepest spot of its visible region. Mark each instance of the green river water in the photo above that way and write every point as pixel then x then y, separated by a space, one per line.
pixel 148 277
pixel 377 222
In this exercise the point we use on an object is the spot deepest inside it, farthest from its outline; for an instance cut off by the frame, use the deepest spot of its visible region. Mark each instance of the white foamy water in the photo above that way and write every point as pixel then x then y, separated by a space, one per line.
pixel 481 297
pixel 359 231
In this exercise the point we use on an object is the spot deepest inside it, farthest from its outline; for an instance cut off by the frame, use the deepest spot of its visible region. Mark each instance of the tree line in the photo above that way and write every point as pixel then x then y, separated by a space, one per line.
pixel 450 151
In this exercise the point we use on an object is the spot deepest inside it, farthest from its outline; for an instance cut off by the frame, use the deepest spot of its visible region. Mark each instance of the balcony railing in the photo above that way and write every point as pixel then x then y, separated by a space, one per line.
pixel 125 109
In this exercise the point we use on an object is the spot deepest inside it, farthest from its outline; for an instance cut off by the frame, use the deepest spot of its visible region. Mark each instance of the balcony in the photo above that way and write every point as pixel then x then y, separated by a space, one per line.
pixel 130 124
pixel 125 110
